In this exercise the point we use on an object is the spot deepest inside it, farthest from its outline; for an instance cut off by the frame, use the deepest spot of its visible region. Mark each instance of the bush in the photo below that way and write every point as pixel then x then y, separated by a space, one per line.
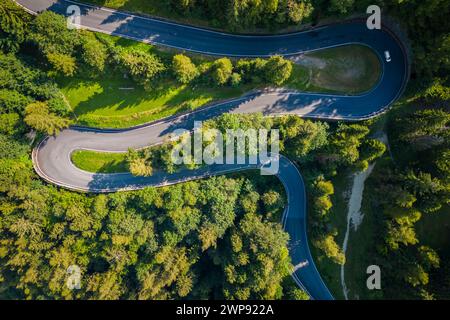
pixel 324 187
pixel 235 80
pixel 329 246
pixel 185 71
pixel 143 67
pixel 222 70
pixel 362 165
pixel 277 70
pixel 251 70
pixel 322 204
pixel 58 105
pixel 298 11
pixel 139 164
pixel 438 92
pixel 372 149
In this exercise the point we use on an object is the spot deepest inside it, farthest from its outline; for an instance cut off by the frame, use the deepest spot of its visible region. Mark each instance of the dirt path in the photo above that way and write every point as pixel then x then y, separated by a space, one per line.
pixel 354 215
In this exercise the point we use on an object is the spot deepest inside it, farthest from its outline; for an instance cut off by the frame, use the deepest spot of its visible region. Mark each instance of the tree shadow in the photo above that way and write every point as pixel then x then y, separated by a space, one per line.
pixel 114 166
pixel 120 94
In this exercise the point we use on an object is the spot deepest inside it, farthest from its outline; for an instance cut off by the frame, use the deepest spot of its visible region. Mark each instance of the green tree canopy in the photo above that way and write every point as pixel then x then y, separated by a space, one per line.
pixel 222 70
pixel 185 71
pixel 277 70
pixel 38 117
pixel 93 52
pixel 13 26
pixel 143 67
pixel 331 249
pixel 258 262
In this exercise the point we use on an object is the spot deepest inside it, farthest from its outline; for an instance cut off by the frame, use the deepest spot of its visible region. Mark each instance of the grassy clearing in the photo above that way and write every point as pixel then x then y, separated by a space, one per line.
pixel 349 69
pixel 299 79
pixel 99 162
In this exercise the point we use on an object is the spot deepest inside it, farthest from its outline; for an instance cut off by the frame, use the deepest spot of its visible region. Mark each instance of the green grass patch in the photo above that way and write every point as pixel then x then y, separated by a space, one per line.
pixel 299 79
pixel 99 162
pixel 117 102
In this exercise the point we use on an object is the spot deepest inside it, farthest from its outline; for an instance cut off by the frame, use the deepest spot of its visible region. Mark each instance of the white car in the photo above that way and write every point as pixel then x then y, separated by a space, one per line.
pixel 387 56
pixel 302 264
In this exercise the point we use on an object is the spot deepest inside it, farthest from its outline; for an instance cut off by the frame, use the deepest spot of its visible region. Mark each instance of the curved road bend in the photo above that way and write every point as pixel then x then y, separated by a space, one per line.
pixel 215 43
pixel 52 157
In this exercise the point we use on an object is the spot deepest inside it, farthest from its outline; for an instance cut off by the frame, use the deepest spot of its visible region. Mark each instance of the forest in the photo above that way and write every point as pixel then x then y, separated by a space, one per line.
pixel 412 186
pixel 219 237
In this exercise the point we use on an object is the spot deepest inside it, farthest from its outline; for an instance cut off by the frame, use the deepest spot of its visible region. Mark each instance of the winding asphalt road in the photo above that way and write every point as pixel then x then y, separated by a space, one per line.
pixel 52 161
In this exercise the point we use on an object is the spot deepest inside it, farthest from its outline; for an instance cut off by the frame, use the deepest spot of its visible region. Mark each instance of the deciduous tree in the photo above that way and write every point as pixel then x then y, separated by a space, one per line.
pixel 185 71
